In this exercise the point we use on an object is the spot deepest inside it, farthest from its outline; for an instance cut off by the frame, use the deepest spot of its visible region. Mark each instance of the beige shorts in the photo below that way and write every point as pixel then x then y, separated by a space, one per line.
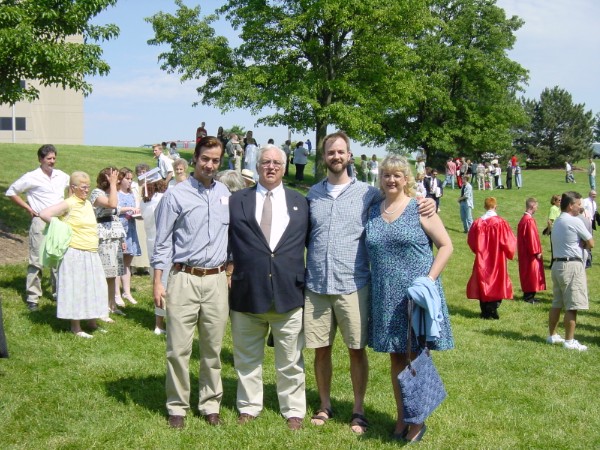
pixel 569 285
pixel 323 313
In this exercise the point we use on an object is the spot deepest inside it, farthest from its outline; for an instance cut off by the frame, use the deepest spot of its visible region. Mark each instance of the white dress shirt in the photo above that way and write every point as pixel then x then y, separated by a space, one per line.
pixel 280 218
pixel 41 190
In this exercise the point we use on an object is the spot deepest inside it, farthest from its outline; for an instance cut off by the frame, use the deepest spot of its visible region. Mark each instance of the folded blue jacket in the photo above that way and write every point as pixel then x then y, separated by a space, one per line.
pixel 427 300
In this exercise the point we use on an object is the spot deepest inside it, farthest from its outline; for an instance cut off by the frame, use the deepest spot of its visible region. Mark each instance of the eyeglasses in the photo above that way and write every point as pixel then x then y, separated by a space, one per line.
pixel 268 162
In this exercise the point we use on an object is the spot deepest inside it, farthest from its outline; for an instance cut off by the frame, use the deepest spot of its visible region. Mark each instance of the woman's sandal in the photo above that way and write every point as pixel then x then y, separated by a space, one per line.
pixel 359 420
pixel 323 414
pixel 401 436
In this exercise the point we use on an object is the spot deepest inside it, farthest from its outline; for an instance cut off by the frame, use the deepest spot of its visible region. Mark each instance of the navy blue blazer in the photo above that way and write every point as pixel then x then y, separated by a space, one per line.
pixel 262 277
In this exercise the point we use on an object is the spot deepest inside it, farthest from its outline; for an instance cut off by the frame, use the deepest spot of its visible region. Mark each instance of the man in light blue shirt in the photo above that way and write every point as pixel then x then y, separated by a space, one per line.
pixel 191 235
pixel 466 204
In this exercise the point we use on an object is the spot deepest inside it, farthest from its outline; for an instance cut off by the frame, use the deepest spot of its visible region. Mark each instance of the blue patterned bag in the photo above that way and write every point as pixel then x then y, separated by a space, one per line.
pixel 421 387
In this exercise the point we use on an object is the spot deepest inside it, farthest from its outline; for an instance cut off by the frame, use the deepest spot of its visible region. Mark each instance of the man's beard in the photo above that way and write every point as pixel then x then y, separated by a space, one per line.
pixel 335 169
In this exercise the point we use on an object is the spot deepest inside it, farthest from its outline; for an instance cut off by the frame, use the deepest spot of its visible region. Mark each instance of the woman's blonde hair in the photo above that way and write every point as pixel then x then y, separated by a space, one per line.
pixel 395 163
pixel 77 177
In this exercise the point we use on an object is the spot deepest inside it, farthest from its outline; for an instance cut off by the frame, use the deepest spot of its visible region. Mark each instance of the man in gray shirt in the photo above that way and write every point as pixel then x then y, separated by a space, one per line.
pixel 569 238
pixel 191 234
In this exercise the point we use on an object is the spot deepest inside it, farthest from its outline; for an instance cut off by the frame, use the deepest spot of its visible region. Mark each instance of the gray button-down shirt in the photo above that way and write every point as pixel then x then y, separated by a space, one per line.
pixel 191 226
pixel 336 261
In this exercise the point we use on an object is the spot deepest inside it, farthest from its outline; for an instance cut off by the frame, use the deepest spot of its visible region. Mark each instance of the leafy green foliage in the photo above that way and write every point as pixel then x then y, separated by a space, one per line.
pixel 50 41
pixel 466 101
pixel 314 64
pixel 559 130
pixel 427 74
pixel 597 127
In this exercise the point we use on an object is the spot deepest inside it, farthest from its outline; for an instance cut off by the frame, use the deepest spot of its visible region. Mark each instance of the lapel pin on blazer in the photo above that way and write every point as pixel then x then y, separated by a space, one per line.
pixel 295 208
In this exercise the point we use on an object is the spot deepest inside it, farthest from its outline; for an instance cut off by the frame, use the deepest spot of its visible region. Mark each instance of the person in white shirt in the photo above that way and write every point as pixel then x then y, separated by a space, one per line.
pixel 569 281
pixel 569 178
pixel 589 204
pixel 592 174
pixel 43 187
pixel 164 163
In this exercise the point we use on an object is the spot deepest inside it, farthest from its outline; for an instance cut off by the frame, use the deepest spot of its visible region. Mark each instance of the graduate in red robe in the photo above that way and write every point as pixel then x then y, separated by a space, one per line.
pixel 492 241
pixel 531 264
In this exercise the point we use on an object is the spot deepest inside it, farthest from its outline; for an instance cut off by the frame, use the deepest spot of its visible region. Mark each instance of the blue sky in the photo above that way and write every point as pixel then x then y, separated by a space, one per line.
pixel 138 104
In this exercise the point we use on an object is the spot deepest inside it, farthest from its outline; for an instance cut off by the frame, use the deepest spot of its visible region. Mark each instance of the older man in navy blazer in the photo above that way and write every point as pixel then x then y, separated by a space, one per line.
pixel 267 236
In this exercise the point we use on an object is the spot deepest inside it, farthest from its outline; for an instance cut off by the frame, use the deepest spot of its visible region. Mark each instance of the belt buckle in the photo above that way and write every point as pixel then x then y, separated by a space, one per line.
pixel 204 271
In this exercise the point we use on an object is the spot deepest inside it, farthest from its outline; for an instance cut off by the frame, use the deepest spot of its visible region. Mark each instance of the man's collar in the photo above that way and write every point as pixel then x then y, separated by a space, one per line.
pixel 263 190
pixel 195 183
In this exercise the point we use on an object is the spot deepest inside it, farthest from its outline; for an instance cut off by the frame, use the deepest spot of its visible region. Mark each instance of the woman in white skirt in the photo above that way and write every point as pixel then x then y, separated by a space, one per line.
pixel 81 287
pixel 111 234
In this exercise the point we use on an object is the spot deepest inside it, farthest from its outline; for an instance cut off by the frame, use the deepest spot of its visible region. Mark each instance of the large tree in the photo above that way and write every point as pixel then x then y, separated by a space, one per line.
pixel 597 127
pixel 428 73
pixel 52 42
pixel 314 63
pixel 468 103
pixel 559 129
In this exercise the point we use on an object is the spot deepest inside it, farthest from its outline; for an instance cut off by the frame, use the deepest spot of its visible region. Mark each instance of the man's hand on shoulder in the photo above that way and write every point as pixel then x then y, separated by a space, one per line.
pixel 426 206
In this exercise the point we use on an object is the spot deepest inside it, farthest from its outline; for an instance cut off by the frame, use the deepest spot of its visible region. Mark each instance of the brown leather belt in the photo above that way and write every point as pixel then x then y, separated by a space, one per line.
pixel 199 271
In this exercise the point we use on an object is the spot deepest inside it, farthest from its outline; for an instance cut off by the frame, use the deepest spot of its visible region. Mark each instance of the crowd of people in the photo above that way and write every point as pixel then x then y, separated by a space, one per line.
pixel 488 175
pixel 230 245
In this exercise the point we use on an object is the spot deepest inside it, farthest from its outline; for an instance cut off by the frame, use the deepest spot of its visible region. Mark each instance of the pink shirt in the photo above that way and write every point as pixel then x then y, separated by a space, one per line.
pixel 450 168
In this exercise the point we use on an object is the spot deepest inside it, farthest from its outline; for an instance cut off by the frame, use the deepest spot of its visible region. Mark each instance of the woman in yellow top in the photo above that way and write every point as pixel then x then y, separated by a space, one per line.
pixel 82 291
pixel 552 216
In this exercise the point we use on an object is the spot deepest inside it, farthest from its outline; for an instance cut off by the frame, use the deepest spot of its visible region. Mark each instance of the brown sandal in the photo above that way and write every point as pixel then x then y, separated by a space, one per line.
pixel 359 420
pixel 323 414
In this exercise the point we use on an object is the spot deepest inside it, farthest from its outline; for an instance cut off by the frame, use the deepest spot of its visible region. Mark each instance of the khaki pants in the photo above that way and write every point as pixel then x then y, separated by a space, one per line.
pixel 195 302
pixel 249 332
pixel 33 284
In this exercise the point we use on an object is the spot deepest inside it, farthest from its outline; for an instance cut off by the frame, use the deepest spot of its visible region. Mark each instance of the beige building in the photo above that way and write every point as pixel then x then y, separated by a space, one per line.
pixel 56 117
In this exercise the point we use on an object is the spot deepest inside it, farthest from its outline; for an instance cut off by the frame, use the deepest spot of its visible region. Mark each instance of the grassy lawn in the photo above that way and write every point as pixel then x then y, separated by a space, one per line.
pixel 506 387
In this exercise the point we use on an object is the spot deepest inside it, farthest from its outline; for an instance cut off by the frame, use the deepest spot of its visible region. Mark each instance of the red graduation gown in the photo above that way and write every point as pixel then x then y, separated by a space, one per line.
pixel 531 269
pixel 493 242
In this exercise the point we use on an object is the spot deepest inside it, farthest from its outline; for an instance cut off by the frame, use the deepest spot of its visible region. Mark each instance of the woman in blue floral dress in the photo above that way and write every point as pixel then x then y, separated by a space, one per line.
pixel 127 210
pixel 399 245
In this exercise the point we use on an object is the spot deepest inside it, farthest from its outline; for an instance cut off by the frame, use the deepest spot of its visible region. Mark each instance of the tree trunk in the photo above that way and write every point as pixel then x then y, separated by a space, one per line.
pixel 321 171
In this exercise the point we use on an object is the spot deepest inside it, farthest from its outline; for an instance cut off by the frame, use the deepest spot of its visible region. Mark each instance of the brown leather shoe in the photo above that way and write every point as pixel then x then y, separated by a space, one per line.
pixel 176 421
pixel 294 423
pixel 245 418
pixel 213 419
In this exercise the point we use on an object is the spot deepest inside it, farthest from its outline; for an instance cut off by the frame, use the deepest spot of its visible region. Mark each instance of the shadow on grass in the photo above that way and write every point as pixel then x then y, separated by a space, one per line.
pixel 147 392
pixel 14 281
pixel 139 315
pixel 46 315
pixel 381 425
pixel 515 336
pixel 466 313
pixel 11 214
pixel 15 278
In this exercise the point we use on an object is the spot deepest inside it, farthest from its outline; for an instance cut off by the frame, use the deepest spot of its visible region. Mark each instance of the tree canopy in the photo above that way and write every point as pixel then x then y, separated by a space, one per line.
pixel 559 130
pixel 427 73
pixel 467 103
pixel 52 42
pixel 597 127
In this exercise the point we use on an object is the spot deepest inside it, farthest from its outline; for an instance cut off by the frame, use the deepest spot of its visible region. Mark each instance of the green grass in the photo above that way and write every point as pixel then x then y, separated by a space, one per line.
pixel 507 388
